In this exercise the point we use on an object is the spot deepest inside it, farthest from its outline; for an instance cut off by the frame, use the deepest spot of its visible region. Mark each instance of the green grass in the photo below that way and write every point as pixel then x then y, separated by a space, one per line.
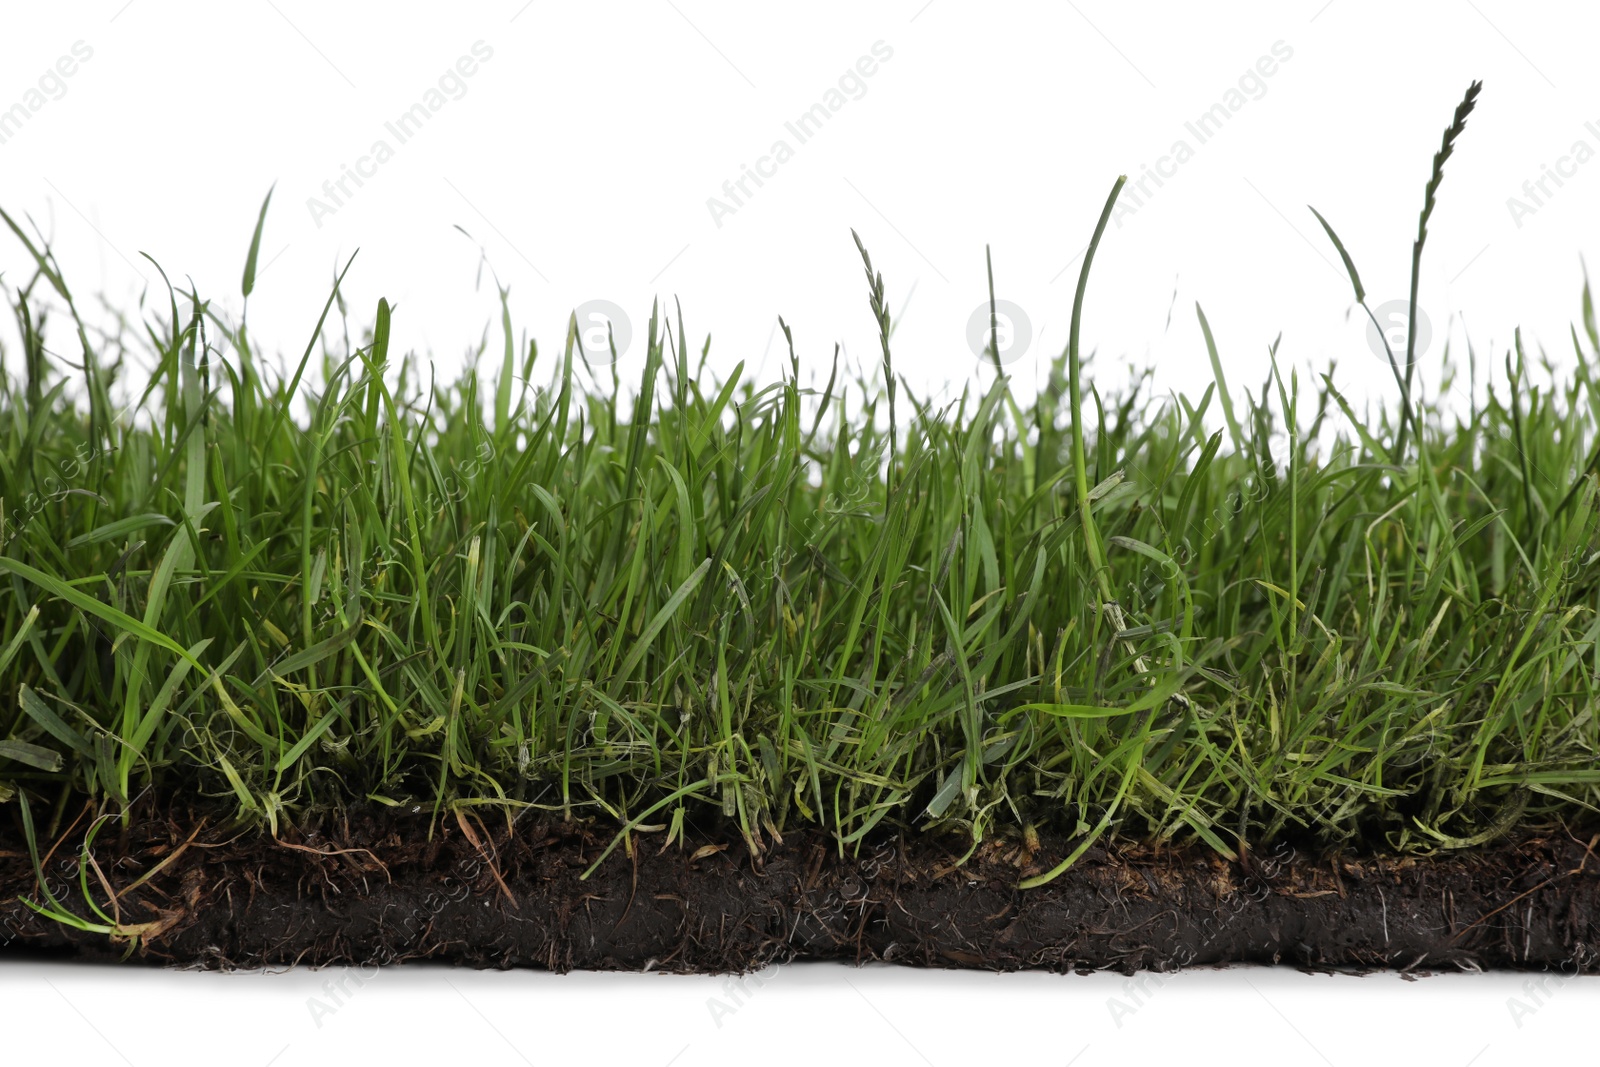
pixel 1231 618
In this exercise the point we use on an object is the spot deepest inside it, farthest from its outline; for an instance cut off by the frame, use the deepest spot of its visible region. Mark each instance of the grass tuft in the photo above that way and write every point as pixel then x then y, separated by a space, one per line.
pixel 720 600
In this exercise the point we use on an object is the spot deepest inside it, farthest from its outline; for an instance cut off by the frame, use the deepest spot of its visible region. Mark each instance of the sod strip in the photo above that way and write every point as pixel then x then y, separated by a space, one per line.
pixel 822 621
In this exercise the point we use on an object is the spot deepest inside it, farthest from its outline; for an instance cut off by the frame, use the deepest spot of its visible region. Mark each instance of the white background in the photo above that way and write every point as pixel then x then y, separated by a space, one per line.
pixel 583 152
pixel 803 1014
pixel 581 156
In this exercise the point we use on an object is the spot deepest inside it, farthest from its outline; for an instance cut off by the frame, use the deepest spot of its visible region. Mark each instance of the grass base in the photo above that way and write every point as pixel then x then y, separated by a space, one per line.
pixel 374 889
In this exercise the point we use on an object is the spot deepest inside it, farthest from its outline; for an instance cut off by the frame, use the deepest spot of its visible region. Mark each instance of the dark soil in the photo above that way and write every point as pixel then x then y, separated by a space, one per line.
pixel 373 888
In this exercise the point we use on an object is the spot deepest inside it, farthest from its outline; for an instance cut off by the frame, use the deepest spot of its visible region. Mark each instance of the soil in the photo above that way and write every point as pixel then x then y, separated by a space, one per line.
pixel 372 887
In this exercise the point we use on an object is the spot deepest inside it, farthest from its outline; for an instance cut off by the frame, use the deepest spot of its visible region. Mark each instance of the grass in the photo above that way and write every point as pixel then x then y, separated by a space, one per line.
pixel 1229 619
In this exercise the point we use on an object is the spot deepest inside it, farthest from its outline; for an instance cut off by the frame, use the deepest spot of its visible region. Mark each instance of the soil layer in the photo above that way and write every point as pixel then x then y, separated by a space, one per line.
pixel 375 888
